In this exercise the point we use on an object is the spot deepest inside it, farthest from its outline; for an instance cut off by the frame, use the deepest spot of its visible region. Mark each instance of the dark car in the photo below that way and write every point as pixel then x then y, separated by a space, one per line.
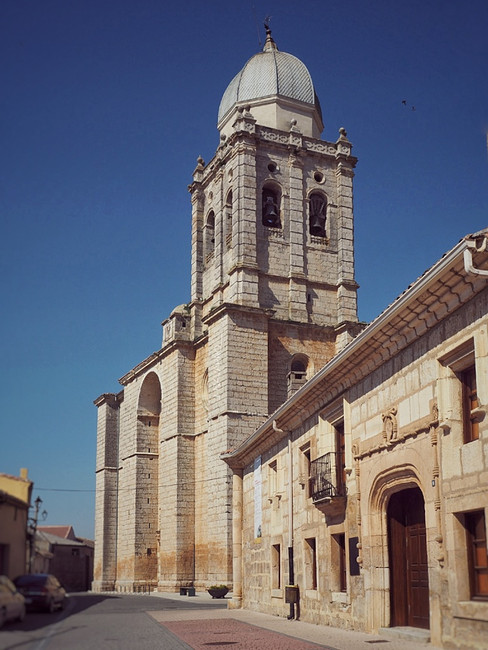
pixel 41 591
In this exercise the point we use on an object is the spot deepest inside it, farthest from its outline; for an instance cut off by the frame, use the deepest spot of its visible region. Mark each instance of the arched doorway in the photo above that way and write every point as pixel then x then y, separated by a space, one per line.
pixel 407 550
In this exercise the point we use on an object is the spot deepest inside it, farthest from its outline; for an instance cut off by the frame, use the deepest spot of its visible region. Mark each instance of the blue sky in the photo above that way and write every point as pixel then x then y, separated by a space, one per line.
pixel 106 106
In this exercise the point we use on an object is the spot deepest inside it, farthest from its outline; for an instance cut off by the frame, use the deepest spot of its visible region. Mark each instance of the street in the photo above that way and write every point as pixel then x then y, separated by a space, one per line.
pixel 112 621
pixel 171 622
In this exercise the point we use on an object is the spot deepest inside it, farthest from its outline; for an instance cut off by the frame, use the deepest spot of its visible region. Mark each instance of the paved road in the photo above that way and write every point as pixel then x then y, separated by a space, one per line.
pixel 172 622
pixel 92 621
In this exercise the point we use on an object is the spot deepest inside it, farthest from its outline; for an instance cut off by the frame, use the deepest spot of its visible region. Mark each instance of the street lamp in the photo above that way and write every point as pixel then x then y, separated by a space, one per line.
pixel 33 523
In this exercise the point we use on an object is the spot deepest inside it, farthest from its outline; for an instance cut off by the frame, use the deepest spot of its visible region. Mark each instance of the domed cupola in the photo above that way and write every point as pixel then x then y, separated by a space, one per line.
pixel 278 88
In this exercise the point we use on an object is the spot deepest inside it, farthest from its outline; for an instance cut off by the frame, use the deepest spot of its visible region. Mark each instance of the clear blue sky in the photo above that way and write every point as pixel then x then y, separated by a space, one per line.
pixel 106 105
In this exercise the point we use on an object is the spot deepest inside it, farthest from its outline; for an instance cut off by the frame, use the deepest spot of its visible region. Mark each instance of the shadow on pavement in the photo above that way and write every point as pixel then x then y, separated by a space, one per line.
pixel 75 603
pixel 78 602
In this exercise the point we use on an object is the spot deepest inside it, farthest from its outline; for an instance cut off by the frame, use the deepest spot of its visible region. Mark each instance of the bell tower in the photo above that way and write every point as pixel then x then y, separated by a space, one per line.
pixel 273 219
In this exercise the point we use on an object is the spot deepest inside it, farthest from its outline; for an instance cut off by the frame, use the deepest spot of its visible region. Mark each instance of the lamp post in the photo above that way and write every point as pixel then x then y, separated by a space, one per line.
pixel 33 522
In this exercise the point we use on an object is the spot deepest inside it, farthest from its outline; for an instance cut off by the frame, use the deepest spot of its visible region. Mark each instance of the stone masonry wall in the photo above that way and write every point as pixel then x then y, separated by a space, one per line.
pixel 106 495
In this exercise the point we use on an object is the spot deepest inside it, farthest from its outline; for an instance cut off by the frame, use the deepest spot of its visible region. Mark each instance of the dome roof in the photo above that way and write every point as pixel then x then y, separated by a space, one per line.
pixel 269 73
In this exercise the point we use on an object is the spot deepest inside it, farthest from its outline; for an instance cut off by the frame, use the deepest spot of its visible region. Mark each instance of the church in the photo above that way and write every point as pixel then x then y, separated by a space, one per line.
pixel 273 298
pixel 276 444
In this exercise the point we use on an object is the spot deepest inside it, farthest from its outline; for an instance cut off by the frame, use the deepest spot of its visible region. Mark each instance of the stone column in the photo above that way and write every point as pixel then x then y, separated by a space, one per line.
pixel 243 277
pixel 346 290
pixel 197 249
pixel 297 297
pixel 236 601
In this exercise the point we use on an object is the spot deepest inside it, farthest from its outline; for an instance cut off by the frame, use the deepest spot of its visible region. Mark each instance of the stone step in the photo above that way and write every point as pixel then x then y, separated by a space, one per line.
pixel 407 633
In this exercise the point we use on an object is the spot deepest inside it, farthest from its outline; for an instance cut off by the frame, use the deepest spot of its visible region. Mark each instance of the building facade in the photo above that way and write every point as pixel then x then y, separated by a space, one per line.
pixel 273 298
pixel 362 501
pixel 15 497
pixel 69 558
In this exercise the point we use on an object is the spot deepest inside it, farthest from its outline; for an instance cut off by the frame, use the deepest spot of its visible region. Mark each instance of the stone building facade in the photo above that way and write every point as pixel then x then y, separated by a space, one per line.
pixel 273 298
pixel 362 502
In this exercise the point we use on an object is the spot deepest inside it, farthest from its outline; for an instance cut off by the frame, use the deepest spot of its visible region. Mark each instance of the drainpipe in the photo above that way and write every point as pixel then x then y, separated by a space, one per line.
pixel 291 569
pixel 468 257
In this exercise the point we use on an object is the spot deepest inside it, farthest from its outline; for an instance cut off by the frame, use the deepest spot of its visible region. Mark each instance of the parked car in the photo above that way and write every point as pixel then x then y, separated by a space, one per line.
pixel 41 591
pixel 12 603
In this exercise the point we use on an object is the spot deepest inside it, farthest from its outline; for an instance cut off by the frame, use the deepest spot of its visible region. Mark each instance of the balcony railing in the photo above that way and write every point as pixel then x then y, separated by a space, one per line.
pixel 326 477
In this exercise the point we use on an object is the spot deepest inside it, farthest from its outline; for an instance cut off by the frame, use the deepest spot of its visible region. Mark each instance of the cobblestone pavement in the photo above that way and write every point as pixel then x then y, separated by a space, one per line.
pixel 202 629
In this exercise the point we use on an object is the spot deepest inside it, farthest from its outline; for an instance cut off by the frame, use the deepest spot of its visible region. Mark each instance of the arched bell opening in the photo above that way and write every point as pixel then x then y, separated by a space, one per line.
pixel 209 236
pixel 228 219
pixel 317 214
pixel 271 206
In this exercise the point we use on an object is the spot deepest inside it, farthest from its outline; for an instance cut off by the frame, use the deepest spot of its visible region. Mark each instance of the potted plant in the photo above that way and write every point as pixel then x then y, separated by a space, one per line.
pixel 218 591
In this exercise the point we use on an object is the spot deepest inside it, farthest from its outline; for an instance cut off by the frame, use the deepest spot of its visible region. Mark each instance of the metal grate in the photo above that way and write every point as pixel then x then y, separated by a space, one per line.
pixel 323 478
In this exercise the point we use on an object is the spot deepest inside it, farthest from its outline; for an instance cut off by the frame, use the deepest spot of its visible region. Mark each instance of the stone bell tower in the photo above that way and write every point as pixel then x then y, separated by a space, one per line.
pixel 272 233
pixel 273 294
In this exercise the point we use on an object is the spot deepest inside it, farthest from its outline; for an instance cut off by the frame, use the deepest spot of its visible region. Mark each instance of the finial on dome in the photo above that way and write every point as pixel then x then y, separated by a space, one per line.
pixel 269 44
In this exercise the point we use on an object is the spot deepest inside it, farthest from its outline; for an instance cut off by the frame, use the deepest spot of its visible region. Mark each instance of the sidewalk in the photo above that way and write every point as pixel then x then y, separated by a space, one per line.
pixel 239 624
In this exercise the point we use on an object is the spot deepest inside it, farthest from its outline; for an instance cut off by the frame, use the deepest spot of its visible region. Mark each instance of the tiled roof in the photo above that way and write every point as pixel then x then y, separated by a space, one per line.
pixel 270 73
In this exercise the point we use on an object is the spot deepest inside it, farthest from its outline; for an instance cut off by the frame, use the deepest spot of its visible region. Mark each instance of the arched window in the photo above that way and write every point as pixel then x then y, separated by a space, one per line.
pixel 271 207
pixel 228 220
pixel 228 204
pixel 209 235
pixel 298 373
pixel 317 214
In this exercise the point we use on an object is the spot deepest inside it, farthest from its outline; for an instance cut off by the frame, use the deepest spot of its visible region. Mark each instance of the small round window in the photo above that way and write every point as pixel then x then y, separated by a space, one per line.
pixel 318 177
pixel 273 167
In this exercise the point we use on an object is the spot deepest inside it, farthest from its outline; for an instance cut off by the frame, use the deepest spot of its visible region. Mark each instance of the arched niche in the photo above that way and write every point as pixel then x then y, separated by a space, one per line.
pixel 209 235
pixel 148 412
pixel 298 372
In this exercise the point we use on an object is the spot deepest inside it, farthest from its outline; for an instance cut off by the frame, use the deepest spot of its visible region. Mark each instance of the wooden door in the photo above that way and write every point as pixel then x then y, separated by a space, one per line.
pixel 407 548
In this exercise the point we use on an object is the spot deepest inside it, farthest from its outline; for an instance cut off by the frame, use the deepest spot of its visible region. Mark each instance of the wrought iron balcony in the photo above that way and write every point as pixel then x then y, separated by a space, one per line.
pixel 326 477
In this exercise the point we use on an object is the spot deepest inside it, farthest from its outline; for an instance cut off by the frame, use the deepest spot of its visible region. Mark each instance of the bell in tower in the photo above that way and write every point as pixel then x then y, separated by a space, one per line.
pixel 318 209
pixel 271 216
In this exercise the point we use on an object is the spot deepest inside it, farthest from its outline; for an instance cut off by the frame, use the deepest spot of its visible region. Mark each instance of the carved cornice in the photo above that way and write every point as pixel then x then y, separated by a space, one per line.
pixel 228 307
pixel 319 146
pixel 272 135
pixel 112 399
pixel 251 267
pixel 141 454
